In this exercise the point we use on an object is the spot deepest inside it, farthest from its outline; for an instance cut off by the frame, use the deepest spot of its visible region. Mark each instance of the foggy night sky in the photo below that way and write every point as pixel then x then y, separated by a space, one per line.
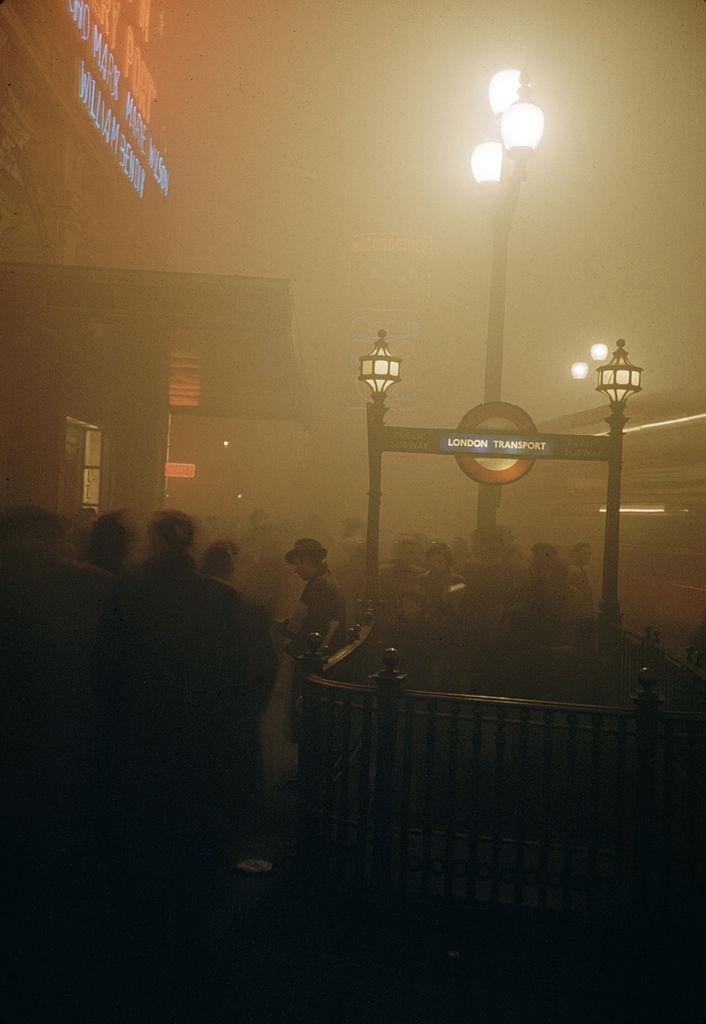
pixel 289 127
pixel 304 123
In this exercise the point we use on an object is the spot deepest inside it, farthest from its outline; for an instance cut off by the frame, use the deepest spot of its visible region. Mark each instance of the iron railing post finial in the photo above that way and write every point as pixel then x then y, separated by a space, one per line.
pixel 388 678
pixel 312 660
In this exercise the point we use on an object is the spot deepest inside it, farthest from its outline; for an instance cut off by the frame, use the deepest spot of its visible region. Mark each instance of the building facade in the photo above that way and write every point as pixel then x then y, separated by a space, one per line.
pixel 93 356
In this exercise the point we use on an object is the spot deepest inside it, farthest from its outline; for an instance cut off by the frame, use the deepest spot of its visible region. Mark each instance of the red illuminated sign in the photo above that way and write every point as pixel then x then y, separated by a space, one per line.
pixel 183 469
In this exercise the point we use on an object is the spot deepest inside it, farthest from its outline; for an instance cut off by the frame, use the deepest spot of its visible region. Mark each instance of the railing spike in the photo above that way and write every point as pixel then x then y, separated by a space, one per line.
pixel 313 643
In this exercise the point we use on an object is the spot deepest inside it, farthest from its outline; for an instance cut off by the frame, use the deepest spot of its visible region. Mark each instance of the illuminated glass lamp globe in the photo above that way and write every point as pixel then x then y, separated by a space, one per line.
pixel 599 352
pixel 579 371
pixel 522 127
pixel 504 90
pixel 619 378
pixel 380 369
pixel 487 162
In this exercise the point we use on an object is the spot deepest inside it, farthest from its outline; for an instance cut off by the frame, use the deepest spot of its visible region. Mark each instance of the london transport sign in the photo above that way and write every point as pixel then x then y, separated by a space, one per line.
pixel 497 444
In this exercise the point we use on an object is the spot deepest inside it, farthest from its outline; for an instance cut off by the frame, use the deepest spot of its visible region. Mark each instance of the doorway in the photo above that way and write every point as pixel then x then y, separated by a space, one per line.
pixel 83 467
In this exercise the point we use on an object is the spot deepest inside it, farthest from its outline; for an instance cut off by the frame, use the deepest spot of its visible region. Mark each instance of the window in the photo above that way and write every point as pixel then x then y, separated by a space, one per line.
pixel 83 455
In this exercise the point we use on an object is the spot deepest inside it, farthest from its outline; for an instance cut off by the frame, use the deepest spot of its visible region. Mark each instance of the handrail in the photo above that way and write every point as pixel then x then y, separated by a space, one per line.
pixel 652 641
pixel 336 684
pixel 363 634
pixel 603 709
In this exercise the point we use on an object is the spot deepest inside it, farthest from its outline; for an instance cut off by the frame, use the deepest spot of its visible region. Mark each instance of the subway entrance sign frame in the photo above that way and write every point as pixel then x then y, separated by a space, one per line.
pixel 497 444
pixel 484 448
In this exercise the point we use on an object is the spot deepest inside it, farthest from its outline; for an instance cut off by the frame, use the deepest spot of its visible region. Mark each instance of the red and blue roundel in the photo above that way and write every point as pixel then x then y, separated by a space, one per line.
pixel 495 418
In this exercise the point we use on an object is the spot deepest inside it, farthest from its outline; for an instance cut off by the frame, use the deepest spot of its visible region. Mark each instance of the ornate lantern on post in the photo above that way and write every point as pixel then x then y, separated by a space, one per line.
pixel 380 370
pixel 618 379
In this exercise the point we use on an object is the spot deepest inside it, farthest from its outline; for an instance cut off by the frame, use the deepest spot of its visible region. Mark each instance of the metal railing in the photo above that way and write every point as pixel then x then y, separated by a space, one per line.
pixel 565 807
pixel 682 684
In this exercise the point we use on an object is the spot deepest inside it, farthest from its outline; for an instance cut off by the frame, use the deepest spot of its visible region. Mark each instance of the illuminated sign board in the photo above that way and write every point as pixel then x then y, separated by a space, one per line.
pixel 187 470
pixel 116 88
pixel 497 445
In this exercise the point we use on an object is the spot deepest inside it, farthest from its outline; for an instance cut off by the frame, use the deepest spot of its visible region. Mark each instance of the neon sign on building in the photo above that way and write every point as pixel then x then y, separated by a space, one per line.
pixel 116 87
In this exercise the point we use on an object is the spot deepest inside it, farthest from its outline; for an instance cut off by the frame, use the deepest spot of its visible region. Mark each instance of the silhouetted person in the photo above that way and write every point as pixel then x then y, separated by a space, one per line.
pixel 494 575
pixel 445 601
pixel 394 576
pixel 109 541
pixel 218 560
pixel 580 584
pixel 80 525
pixel 418 645
pixel 321 607
pixel 539 610
pixel 182 695
pixel 444 587
pixel 49 742
pixel 538 626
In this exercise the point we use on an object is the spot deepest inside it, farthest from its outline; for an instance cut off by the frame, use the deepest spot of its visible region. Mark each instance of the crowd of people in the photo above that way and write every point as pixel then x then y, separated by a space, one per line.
pixel 133 690
pixel 136 685
pixel 484 619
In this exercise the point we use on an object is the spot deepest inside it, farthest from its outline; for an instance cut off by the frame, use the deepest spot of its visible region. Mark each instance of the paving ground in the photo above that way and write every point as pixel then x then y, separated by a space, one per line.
pixel 292 953
pixel 353 960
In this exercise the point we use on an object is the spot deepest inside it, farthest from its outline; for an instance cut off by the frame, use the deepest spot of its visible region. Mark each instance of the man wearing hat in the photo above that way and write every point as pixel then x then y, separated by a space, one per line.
pixel 321 607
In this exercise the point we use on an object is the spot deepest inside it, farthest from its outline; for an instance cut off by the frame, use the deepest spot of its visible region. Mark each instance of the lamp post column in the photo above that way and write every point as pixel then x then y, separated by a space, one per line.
pixel 492 387
pixel 376 410
pixel 609 609
pixel 618 379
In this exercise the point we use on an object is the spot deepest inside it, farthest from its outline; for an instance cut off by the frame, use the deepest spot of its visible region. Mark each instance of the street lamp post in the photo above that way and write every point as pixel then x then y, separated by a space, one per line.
pixel 380 370
pixel 504 164
pixel 618 380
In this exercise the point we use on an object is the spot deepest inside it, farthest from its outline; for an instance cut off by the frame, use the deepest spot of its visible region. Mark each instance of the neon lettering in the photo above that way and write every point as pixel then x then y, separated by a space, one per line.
pixel 97 23
pixel 135 121
pixel 78 9
pixel 138 74
pixel 159 168
pixel 107 65
pixel 132 167
pixel 144 19
pixel 115 11
pixel 107 13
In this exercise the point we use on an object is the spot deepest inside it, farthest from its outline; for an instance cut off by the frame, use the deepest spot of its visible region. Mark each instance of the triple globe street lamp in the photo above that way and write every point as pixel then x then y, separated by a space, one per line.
pixel 502 165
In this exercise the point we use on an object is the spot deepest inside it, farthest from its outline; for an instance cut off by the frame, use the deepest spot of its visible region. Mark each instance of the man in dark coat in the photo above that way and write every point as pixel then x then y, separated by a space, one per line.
pixel 321 607
pixel 182 689
pixel 50 607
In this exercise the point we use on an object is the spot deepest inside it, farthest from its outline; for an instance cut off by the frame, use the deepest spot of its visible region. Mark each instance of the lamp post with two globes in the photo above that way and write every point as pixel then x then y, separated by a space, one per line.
pixel 380 370
pixel 503 164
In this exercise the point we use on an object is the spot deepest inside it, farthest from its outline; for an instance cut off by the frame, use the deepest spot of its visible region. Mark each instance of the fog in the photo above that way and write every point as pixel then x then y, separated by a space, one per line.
pixel 289 128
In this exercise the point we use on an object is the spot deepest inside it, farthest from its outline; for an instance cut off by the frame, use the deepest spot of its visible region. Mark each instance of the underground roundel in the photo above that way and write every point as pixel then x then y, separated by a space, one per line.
pixel 495 418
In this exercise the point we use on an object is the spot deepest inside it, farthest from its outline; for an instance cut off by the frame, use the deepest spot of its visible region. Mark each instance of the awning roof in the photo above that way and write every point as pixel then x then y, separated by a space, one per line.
pixel 228 341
